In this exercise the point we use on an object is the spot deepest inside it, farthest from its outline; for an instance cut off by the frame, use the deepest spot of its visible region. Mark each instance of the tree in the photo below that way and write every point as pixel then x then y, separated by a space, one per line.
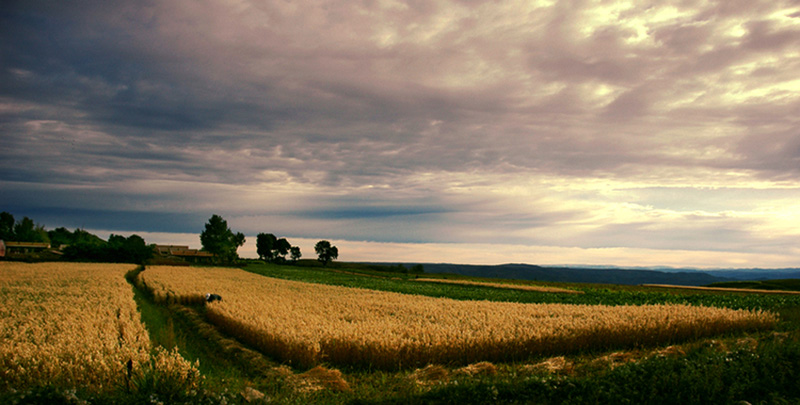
pixel 60 236
pixel 295 252
pixel 132 249
pixel 265 243
pixel 282 247
pixel 118 249
pixel 326 252
pixel 6 226
pixel 26 231
pixel 220 240
pixel 81 236
pixel 272 249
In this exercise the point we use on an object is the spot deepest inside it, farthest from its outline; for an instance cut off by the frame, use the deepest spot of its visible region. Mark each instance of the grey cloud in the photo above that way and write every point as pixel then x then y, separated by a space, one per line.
pixel 776 153
pixel 681 39
pixel 631 104
pixel 763 36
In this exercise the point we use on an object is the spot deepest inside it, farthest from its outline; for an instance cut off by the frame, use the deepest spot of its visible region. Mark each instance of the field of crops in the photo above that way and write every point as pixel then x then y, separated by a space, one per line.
pixel 592 294
pixel 311 323
pixel 74 325
pixel 524 287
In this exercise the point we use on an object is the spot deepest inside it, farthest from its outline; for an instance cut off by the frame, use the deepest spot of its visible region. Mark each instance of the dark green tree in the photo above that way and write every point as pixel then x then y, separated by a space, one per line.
pixel 265 244
pixel 60 236
pixel 295 253
pixel 282 247
pixel 326 252
pixel 220 240
pixel 272 249
pixel 27 231
pixel 6 226
pixel 119 249
pixel 132 249
pixel 87 252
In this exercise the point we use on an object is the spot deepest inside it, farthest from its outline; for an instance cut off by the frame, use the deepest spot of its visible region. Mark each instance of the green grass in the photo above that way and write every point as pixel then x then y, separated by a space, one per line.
pixel 791 284
pixel 705 375
pixel 169 328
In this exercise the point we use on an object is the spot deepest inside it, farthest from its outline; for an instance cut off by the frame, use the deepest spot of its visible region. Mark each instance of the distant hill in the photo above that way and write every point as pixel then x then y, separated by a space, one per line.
pixel 606 274
pixel 784 285
pixel 578 275
pixel 757 274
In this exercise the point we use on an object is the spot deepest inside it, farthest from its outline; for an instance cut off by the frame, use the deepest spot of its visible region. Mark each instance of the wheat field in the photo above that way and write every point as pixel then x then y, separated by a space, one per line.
pixel 307 324
pixel 74 325
pixel 510 286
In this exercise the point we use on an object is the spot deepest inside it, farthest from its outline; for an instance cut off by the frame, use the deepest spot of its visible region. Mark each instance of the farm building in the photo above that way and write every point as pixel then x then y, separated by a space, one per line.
pixel 165 250
pixel 24 247
pixel 183 252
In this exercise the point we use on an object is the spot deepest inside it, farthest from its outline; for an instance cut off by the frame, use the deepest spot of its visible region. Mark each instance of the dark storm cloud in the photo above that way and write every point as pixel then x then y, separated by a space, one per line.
pixel 131 221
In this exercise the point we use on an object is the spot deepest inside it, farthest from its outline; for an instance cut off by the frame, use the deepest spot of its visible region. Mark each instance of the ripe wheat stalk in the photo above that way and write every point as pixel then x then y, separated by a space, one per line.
pixel 74 325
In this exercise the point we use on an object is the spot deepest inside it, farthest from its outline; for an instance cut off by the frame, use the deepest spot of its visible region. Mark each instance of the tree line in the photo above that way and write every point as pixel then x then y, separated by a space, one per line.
pixel 216 238
pixel 219 239
pixel 78 245
pixel 24 230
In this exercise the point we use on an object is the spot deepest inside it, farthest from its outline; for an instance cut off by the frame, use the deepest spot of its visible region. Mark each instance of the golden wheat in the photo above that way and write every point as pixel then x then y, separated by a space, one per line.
pixel 73 325
pixel 311 323
pixel 511 286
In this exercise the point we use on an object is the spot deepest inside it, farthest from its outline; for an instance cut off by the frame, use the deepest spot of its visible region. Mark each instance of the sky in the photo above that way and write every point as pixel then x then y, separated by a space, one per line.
pixel 623 133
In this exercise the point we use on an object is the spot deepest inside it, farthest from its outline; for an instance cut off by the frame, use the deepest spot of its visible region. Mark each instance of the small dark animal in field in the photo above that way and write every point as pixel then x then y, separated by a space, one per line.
pixel 213 297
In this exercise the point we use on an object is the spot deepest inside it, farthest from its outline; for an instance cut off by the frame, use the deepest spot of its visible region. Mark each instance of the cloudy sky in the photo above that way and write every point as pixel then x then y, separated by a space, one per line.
pixel 548 132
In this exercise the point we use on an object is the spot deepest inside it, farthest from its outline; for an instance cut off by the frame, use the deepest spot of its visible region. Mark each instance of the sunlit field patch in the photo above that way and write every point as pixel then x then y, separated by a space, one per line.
pixel 724 289
pixel 523 287
pixel 308 324
pixel 74 325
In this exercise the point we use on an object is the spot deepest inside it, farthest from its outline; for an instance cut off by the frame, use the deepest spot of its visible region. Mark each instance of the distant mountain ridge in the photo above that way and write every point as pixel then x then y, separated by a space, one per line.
pixel 689 277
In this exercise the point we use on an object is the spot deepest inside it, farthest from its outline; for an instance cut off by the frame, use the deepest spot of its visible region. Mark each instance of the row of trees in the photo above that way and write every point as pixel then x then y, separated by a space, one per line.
pixel 216 238
pixel 78 245
pixel 274 250
pixel 24 230
pixel 219 239
pixel 118 249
